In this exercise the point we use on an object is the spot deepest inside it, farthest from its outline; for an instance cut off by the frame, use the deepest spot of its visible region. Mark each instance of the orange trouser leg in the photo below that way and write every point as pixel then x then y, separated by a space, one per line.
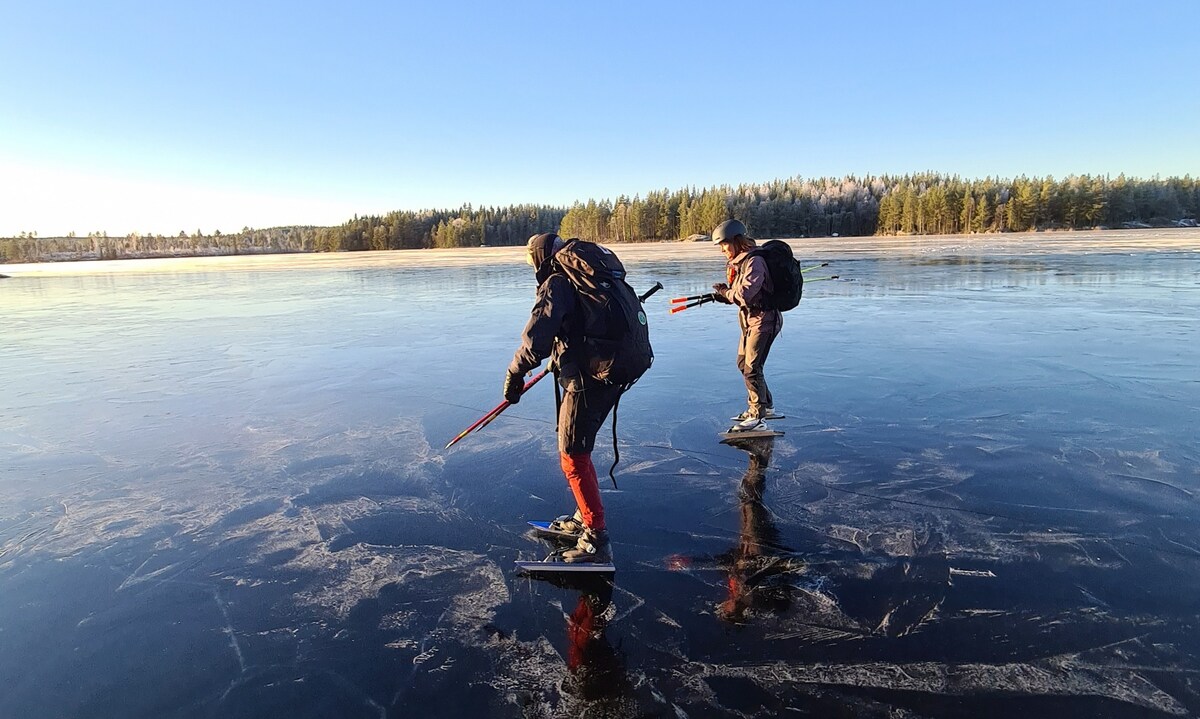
pixel 581 475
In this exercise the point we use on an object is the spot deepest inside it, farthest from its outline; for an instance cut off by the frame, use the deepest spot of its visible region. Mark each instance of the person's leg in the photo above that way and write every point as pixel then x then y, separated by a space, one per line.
pixel 774 328
pixel 757 347
pixel 580 417
pixel 582 413
pixel 581 476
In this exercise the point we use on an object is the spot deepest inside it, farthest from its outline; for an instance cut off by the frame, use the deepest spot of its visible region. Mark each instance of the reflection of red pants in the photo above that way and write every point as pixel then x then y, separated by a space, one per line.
pixel 580 625
pixel 581 475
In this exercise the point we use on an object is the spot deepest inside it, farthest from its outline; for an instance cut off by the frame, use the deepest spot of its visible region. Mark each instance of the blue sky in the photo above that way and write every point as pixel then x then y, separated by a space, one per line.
pixel 159 116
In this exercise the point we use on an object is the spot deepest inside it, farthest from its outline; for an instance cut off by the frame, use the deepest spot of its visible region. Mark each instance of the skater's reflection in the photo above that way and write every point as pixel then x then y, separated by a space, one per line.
pixel 759 566
pixel 595 670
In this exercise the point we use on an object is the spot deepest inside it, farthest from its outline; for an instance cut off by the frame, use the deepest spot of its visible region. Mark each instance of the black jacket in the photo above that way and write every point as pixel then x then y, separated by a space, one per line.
pixel 554 330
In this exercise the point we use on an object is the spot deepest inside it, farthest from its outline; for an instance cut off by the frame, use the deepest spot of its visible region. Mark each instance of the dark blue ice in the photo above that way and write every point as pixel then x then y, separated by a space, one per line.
pixel 223 494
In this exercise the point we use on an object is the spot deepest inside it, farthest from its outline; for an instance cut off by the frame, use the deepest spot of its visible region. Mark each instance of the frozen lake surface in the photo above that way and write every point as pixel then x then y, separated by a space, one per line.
pixel 223 494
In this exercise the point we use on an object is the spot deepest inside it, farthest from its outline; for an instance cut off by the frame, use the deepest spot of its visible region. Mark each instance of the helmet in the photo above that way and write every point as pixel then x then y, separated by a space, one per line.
pixel 728 230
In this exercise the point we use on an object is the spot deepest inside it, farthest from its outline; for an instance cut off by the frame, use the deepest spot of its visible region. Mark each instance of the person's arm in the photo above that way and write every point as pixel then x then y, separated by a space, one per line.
pixel 555 300
pixel 747 291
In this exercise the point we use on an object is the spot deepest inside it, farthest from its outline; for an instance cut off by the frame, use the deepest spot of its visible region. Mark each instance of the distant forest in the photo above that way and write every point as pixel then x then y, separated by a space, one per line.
pixel 920 204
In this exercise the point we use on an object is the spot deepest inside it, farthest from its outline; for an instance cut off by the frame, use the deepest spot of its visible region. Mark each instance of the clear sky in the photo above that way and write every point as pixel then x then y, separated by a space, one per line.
pixel 161 116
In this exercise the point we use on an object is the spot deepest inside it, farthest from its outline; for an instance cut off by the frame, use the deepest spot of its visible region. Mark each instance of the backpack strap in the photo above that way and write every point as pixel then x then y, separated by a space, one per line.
pixel 557 398
pixel 616 452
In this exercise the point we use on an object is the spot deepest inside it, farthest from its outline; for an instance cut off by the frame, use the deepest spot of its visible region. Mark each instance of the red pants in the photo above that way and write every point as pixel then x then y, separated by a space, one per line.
pixel 581 475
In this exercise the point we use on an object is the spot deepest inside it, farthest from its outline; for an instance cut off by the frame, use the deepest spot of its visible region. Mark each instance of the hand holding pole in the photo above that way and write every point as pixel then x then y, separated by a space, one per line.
pixel 486 419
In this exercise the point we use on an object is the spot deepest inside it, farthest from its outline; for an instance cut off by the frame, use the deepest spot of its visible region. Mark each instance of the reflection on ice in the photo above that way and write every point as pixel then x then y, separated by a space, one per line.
pixel 222 496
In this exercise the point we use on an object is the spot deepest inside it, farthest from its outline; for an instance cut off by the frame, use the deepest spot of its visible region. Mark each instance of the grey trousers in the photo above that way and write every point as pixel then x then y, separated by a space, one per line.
pixel 753 348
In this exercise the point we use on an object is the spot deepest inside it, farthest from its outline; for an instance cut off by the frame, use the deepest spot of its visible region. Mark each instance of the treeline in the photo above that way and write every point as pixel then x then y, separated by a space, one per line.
pixel 926 203
pixel 936 204
pixel 99 246
pixel 919 204
pixel 401 230
pixel 465 227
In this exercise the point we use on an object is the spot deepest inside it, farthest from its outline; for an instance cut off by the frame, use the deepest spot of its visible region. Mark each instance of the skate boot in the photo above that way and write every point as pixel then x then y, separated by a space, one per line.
pixel 750 424
pixel 768 413
pixel 569 524
pixel 592 546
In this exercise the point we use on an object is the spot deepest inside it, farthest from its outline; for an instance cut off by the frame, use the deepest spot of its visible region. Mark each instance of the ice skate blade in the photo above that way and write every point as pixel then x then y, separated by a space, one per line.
pixel 561 567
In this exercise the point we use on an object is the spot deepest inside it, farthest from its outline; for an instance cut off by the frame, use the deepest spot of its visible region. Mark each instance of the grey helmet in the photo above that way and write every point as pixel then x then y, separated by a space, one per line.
pixel 728 230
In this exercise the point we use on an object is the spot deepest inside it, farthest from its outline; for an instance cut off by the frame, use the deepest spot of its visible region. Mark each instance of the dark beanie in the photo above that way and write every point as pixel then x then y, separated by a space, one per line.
pixel 541 247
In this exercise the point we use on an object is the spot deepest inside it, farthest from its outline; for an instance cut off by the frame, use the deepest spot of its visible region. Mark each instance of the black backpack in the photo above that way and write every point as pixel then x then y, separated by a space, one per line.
pixel 616 337
pixel 785 273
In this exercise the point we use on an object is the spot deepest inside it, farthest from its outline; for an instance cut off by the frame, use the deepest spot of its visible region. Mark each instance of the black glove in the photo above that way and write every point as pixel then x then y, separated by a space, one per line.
pixel 514 385
pixel 719 290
